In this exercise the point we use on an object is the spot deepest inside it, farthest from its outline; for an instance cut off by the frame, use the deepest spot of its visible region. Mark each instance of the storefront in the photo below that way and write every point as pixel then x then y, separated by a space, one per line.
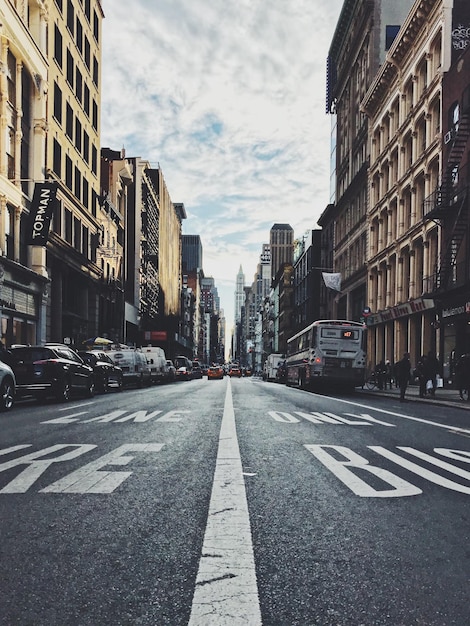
pixel 408 327
pixel 455 332
pixel 23 295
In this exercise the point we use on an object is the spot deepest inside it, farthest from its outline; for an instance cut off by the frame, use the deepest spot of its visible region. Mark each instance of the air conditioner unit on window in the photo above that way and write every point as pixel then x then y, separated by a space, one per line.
pixel 448 136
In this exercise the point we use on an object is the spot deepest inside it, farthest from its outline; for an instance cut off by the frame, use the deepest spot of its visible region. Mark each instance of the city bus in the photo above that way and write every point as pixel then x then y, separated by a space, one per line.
pixel 327 352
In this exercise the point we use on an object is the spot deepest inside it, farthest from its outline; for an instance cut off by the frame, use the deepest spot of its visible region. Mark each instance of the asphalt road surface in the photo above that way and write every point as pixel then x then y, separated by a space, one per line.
pixel 234 502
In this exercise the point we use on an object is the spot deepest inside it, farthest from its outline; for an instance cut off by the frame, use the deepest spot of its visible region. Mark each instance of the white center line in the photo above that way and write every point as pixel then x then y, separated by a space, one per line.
pixel 226 589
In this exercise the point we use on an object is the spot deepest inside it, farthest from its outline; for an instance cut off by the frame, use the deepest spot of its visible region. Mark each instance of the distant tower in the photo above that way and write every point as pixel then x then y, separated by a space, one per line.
pixel 281 243
pixel 239 295
pixel 191 252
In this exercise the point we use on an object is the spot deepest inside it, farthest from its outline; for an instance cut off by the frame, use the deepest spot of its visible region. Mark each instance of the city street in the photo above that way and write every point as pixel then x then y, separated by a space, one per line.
pixel 237 502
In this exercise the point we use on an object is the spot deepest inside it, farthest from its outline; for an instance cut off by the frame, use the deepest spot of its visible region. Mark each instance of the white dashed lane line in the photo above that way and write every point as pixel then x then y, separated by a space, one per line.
pixel 226 590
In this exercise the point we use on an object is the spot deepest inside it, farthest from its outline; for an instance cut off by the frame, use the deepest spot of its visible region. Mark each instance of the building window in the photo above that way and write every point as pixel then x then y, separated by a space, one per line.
pixel 85 240
pixel 69 121
pixel 57 218
pixel 68 226
pixel 86 193
pixel 87 10
pixel 70 68
pixel 86 99
pixel 57 158
pixel 79 35
pixel 96 26
pixel 68 172
pixel 87 53
pixel 58 46
pixel 79 85
pixel 59 5
pixel 94 159
pixel 78 184
pixel 77 234
pixel 78 135
pixel 57 103
pixel 94 120
pixel 86 147
pixel 95 70
pixel 70 16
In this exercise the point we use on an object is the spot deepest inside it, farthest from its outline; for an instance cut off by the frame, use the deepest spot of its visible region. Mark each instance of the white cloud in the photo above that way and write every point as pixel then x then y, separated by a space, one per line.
pixel 229 98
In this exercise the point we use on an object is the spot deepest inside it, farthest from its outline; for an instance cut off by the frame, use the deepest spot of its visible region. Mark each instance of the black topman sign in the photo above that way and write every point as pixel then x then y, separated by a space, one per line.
pixel 40 215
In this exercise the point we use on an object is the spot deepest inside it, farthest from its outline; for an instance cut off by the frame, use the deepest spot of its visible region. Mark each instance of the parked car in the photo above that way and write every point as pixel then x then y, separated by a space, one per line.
pixel 107 374
pixel 7 387
pixel 183 368
pixel 51 370
pixel 215 372
pixel 133 363
pixel 196 370
pixel 170 371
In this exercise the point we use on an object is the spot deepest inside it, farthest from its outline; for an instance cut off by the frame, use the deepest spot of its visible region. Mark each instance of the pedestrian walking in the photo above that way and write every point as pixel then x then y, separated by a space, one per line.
pixel 403 373
pixel 380 375
pixel 462 374
pixel 433 368
pixel 421 372
pixel 388 374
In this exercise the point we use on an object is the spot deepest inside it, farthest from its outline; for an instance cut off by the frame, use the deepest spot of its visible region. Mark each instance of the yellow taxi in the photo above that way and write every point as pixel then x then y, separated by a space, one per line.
pixel 215 371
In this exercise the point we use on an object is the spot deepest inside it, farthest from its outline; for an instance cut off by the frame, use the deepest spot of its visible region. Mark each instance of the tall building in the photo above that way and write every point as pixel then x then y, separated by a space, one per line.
pixel 239 294
pixel 74 254
pixel 281 244
pixel 191 247
pixel 116 178
pixel 213 348
pixel 364 33
pixel 153 278
pixel 24 278
pixel 260 289
pixel 307 279
pixel 419 111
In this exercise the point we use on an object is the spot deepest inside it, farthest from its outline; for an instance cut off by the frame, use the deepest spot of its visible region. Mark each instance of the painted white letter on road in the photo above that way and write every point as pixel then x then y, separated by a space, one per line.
pixel 353 460
pixel 89 480
pixel 36 467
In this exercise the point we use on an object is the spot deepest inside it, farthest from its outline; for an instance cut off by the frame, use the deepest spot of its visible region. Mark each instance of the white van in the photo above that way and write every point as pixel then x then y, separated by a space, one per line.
pixel 271 366
pixel 133 363
pixel 156 360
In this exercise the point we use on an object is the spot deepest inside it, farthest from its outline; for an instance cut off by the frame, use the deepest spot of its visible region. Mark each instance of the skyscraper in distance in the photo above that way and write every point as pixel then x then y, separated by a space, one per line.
pixel 239 294
pixel 281 243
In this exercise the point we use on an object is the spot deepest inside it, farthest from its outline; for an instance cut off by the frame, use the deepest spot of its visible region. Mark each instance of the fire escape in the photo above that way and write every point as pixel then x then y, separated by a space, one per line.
pixel 448 205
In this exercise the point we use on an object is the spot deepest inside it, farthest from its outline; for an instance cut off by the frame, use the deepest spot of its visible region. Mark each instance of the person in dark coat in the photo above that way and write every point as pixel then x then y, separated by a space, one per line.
pixel 403 372
pixel 422 373
pixel 381 375
pixel 433 368
pixel 388 374
pixel 462 374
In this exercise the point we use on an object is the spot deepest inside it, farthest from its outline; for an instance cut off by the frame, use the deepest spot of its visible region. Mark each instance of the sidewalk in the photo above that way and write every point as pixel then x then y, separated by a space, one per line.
pixel 443 397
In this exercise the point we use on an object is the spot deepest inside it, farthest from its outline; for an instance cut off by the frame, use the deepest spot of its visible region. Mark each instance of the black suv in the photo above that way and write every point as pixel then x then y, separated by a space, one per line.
pixel 107 374
pixel 50 370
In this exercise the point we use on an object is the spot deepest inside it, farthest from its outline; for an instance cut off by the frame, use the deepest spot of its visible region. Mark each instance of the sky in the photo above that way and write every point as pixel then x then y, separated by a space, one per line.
pixel 227 97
